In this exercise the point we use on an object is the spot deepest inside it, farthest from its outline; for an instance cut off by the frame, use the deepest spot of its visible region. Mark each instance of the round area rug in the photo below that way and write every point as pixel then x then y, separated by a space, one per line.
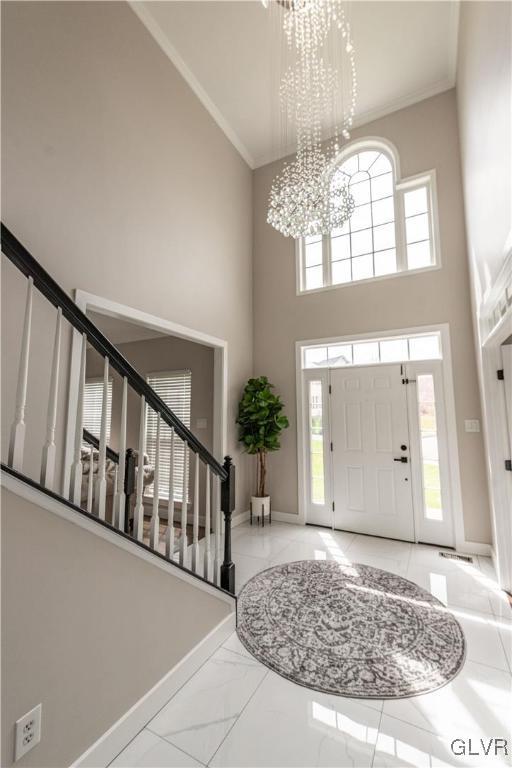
pixel 352 630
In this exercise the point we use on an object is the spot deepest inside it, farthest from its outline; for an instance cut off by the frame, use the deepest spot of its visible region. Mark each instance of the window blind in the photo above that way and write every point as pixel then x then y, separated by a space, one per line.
pixel 175 389
pixel 93 402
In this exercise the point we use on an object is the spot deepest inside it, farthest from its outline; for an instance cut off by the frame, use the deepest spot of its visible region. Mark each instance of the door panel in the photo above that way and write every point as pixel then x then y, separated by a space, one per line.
pixel 369 423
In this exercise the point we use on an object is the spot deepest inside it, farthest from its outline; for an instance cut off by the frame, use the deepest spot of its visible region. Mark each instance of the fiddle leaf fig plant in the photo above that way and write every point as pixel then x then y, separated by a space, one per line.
pixel 261 421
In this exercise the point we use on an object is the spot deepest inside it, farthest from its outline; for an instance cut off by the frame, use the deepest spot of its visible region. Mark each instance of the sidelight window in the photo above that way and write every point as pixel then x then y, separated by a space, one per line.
pixel 316 442
pixel 429 447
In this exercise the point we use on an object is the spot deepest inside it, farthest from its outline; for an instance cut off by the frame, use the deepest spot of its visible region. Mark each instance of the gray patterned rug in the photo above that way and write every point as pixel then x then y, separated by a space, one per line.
pixel 352 630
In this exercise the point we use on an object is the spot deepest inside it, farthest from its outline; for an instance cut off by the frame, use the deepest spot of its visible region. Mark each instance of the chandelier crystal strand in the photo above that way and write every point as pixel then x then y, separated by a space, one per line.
pixel 307 197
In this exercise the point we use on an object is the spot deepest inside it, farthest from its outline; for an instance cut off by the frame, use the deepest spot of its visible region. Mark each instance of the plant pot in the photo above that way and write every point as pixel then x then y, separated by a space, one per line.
pixel 261 509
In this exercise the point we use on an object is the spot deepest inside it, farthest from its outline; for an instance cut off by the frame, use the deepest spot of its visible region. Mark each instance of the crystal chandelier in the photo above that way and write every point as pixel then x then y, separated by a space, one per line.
pixel 307 198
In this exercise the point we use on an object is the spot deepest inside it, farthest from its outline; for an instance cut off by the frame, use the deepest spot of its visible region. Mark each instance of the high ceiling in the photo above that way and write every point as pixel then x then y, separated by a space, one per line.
pixel 226 50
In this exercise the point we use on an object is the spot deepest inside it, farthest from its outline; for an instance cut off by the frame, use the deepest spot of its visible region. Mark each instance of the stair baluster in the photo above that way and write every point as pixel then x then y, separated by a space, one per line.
pixel 17 441
pixel 154 533
pixel 49 450
pixel 195 524
pixel 207 524
pixel 101 483
pixel 218 530
pixel 184 508
pixel 76 467
pixel 90 481
pixel 169 534
pixel 120 496
pixel 138 514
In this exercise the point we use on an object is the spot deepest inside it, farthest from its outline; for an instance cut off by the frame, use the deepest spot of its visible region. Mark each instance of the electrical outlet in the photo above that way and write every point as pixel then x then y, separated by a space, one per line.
pixel 472 425
pixel 28 732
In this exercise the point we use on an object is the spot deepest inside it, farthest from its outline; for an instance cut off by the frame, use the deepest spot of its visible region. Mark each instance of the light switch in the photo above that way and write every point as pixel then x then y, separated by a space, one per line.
pixel 472 425
pixel 201 423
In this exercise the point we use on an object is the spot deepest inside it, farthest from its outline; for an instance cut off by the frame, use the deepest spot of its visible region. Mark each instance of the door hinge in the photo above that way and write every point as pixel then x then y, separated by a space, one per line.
pixel 330 389
pixel 333 506
pixel 500 375
pixel 332 447
pixel 508 465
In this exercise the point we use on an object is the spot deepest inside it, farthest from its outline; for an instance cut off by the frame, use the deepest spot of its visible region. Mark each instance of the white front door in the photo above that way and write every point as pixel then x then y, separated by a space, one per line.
pixel 371 471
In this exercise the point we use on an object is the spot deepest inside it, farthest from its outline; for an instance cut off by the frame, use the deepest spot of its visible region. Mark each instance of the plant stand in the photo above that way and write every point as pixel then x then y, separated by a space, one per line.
pixel 260 508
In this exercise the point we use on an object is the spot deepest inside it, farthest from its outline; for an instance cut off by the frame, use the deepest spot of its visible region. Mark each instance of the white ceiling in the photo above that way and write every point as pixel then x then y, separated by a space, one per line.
pixel 405 52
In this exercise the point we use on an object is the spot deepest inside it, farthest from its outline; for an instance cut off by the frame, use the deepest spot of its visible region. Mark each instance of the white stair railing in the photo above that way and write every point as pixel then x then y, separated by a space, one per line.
pixel 17 440
pixel 120 496
pixel 101 483
pixel 184 508
pixel 154 533
pixel 195 521
pixel 138 513
pixel 218 531
pixel 76 467
pixel 169 534
pixel 50 449
pixel 207 524
pixel 126 468
pixel 90 483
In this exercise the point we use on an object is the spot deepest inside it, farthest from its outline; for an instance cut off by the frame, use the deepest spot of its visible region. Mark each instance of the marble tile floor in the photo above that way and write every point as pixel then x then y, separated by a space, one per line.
pixel 235 712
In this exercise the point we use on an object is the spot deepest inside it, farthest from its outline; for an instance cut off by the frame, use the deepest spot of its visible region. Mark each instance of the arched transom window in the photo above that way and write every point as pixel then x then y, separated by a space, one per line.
pixel 390 231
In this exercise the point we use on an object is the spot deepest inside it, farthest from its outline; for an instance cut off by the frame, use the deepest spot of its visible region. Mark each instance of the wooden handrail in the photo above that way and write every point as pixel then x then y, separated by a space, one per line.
pixel 91 439
pixel 27 264
pixel 224 499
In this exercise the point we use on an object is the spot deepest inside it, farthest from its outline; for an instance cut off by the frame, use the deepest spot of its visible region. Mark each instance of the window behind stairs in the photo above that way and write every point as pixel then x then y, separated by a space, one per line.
pixel 175 389
pixel 93 403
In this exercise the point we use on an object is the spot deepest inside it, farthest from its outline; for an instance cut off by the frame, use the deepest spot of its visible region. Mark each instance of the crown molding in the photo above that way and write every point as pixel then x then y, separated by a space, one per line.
pixel 145 16
pixel 454 36
pixel 140 9
pixel 375 114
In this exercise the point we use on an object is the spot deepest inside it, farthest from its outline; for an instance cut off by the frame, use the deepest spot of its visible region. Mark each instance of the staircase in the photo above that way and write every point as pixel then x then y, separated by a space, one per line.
pixel 211 562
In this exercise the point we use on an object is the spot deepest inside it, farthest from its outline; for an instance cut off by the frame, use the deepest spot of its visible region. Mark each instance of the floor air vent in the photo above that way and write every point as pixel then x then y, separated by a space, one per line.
pixel 455 556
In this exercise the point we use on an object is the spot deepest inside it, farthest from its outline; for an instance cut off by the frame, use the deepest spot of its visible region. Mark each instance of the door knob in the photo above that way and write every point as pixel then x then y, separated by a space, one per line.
pixel 402 459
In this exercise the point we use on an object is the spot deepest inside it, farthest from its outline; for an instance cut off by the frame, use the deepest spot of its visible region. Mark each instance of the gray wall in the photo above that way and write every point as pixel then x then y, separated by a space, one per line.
pixel 163 354
pixel 484 99
pixel 426 136
pixel 84 630
pixel 151 356
pixel 120 183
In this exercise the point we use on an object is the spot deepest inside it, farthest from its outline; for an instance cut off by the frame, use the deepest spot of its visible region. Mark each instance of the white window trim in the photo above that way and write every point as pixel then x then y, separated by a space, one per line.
pixel 426 178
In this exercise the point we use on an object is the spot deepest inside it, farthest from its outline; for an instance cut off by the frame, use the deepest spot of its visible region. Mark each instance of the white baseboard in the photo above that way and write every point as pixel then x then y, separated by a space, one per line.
pixel 286 517
pixel 242 517
pixel 278 517
pixel 475 548
pixel 108 746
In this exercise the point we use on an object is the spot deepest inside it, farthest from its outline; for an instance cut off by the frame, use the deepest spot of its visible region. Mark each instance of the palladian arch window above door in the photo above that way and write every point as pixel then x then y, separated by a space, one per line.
pixel 391 231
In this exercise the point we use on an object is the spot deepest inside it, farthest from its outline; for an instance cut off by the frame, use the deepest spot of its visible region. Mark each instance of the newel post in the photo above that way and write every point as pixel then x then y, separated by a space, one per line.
pixel 227 503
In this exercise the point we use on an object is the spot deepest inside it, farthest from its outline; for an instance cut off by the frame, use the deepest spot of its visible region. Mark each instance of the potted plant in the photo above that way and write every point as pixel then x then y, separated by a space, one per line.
pixel 261 422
